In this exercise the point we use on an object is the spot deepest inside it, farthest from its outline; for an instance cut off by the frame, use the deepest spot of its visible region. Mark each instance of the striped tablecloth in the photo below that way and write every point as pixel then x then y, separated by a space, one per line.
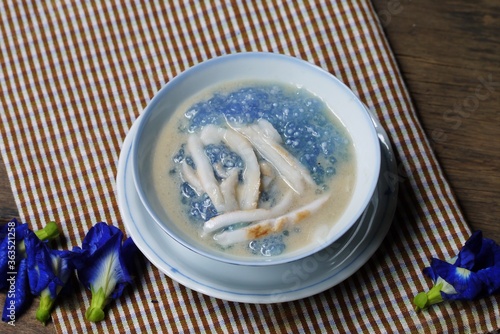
pixel 74 75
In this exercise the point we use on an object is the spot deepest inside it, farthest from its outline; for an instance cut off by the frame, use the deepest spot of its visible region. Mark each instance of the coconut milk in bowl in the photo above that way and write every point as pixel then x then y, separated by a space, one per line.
pixel 255 164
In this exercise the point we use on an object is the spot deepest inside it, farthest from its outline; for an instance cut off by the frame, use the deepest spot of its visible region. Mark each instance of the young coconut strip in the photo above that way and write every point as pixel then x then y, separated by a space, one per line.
pixel 189 175
pixel 220 171
pixel 267 172
pixel 292 172
pixel 249 194
pixel 269 226
pixel 273 137
pixel 205 172
pixel 228 188
pixel 246 216
pixel 268 131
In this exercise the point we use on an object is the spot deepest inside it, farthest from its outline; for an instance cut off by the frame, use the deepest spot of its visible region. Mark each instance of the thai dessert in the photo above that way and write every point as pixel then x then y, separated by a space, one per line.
pixel 255 168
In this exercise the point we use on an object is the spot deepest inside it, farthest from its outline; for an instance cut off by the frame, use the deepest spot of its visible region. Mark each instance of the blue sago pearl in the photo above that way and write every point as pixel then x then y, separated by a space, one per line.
pixel 213 153
pixel 187 190
pixel 222 154
pixel 269 246
pixel 201 208
pixel 179 156
pixel 330 171
pixel 190 162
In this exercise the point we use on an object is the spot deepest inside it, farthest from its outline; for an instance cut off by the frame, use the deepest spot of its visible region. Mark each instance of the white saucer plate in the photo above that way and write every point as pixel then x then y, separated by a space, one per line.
pixel 266 284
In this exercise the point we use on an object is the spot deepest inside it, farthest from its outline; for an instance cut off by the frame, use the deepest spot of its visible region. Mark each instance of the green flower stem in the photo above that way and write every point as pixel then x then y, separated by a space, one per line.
pixel 95 312
pixel 49 232
pixel 45 307
pixel 425 299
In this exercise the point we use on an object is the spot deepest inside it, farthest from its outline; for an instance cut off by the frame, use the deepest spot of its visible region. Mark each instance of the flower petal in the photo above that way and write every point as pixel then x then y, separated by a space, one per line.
pixel 490 278
pixel 47 268
pixel 467 256
pixel 128 254
pixel 99 234
pixel 103 265
pixel 95 238
pixel 466 283
pixel 38 263
pixel 488 256
pixel 429 271
pixel 104 268
pixel 62 264
pixel 18 295
pixel 445 286
pixel 11 236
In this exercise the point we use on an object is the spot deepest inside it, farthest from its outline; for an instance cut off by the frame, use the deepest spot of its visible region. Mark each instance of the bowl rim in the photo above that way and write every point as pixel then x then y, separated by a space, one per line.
pixel 250 261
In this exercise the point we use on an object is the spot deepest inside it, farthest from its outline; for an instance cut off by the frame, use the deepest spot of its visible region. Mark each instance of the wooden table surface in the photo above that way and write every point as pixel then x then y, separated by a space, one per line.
pixel 449 54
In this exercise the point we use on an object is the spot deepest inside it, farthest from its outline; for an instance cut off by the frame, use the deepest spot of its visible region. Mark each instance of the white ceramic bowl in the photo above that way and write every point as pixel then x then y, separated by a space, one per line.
pixel 258 67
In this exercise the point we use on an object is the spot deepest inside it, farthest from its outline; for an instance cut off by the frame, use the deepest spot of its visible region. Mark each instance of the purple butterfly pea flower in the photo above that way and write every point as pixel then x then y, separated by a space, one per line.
pixel 14 265
pixel 18 296
pixel 49 271
pixel 475 273
pixel 11 252
pixel 103 265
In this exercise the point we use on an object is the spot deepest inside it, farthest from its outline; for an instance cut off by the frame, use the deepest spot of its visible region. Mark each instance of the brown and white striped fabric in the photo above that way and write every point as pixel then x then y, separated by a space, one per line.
pixel 74 75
